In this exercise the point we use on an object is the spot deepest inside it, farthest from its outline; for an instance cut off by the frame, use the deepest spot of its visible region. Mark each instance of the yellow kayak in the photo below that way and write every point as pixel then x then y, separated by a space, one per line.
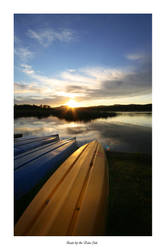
pixel 74 200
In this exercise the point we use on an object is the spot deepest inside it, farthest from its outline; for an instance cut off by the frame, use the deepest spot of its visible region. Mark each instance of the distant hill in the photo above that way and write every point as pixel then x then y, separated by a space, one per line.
pixel 120 107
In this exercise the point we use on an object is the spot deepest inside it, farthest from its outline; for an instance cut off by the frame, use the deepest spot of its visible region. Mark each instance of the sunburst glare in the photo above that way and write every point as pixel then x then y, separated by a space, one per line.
pixel 72 103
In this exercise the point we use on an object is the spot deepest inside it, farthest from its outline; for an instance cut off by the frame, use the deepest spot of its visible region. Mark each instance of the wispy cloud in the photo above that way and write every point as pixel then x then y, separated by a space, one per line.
pixel 27 69
pixel 48 82
pixel 135 57
pixel 51 100
pixel 46 37
pixel 78 77
pixel 23 53
pixel 101 74
pixel 17 40
pixel 71 70
pixel 27 88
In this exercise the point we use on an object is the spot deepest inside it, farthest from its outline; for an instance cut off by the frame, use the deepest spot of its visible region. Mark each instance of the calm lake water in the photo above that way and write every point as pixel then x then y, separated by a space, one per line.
pixel 127 132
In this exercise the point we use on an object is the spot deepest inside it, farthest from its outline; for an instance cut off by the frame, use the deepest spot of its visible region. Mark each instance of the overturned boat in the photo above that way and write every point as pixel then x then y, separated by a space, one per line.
pixel 33 167
pixel 74 199
pixel 25 144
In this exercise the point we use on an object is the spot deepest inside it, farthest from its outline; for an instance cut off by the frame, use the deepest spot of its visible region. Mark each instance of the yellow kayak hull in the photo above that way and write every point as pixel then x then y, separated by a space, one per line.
pixel 74 200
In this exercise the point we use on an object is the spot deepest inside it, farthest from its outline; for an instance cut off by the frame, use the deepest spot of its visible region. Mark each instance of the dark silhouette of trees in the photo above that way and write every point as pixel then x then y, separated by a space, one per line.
pixel 77 114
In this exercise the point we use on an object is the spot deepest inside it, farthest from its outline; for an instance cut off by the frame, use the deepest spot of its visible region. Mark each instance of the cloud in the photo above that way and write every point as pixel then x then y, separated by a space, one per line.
pixel 71 70
pixel 136 57
pixel 112 83
pixel 46 37
pixel 75 89
pixel 89 84
pixel 51 100
pixel 78 78
pixel 17 40
pixel 27 69
pixel 23 53
pixel 50 84
pixel 26 89
pixel 101 74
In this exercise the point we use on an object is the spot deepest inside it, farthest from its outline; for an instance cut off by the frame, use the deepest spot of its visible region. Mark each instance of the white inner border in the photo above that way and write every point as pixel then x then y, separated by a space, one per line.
pixel 8 8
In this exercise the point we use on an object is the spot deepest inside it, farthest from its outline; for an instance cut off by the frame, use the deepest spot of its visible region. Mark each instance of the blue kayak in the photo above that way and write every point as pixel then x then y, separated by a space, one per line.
pixel 22 145
pixel 32 166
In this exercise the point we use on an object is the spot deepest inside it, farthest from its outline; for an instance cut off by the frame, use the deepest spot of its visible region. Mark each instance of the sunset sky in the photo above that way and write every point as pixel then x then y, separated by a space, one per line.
pixel 91 59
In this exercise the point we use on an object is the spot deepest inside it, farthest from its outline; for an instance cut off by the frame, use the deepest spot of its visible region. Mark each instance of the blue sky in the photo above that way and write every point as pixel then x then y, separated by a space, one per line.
pixel 93 59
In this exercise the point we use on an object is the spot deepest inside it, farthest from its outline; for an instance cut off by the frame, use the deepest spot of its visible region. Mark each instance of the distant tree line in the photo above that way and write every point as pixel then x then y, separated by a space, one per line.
pixel 77 114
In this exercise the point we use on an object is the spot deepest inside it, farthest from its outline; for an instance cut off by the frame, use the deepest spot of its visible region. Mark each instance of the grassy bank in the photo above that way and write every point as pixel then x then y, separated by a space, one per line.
pixel 130 209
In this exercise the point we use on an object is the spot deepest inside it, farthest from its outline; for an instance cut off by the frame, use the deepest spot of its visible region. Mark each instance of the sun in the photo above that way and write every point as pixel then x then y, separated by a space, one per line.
pixel 72 103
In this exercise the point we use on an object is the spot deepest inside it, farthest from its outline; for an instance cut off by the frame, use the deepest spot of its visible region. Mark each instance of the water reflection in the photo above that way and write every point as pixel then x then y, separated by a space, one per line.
pixel 137 118
pixel 127 132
